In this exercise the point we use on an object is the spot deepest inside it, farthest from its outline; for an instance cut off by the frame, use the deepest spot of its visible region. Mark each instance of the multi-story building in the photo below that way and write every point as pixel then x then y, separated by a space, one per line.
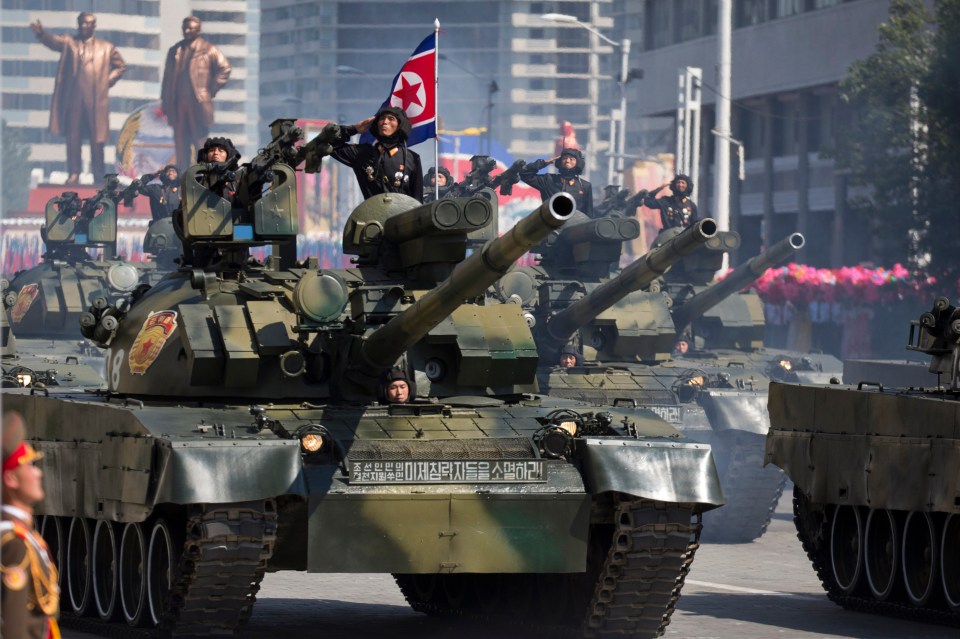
pixel 142 30
pixel 788 58
pixel 501 66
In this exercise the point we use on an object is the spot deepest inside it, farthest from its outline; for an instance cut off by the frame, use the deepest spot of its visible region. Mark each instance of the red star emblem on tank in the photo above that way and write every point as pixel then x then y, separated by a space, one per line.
pixel 24 300
pixel 154 333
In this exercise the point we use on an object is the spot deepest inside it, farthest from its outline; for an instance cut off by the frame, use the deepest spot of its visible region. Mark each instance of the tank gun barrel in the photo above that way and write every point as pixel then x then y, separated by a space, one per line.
pixel 742 276
pixel 468 280
pixel 633 278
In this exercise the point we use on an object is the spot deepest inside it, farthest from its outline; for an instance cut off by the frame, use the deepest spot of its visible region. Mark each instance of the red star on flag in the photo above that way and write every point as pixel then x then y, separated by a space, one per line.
pixel 407 93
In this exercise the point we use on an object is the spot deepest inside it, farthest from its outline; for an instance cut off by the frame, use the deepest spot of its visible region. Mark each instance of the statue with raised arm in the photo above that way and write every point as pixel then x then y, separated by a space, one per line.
pixel 89 66
pixel 194 73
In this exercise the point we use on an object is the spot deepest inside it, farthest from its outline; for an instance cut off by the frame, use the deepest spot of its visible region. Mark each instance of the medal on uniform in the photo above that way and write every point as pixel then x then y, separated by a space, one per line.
pixel 14 578
pixel 369 171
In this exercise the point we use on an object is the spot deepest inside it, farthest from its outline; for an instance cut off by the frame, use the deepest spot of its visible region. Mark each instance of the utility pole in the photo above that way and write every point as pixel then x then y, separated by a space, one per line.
pixel 721 165
pixel 688 125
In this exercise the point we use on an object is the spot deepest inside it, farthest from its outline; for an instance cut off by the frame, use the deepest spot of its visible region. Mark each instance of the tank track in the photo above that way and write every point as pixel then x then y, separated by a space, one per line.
pixel 631 587
pixel 224 559
pixel 752 491
pixel 810 520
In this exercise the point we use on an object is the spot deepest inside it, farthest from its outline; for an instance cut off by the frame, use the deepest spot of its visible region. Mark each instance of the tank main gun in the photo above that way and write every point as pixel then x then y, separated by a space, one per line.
pixel 641 273
pixel 742 276
pixel 468 280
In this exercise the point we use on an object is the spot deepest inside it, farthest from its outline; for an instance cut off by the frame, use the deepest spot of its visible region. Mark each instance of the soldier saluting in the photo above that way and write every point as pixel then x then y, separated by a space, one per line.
pixel 30 595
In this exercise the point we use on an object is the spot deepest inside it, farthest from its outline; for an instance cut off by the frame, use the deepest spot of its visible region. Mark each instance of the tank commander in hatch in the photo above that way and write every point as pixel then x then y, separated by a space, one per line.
pixel 436 179
pixel 387 166
pixel 224 160
pixel 570 164
pixel 676 209
pixel 396 387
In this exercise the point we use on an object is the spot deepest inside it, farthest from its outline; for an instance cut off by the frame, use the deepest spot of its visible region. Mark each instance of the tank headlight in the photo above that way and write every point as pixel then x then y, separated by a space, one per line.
pixel 556 442
pixel 570 427
pixel 24 379
pixel 786 364
pixel 311 442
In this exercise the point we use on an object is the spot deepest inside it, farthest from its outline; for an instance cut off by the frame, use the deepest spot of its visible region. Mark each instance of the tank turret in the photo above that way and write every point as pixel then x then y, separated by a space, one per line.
pixel 745 274
pixel 46 300
pixel 560 326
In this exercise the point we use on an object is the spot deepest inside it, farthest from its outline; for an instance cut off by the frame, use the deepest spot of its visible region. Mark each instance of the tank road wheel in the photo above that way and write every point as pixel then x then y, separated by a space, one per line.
pixel 51 529
pixel 132 574
pixel 881 554
pixel 161 567
pixel 950 561
pixel 79 590
pixel 919 557
pixel 105 570
pixel 846 547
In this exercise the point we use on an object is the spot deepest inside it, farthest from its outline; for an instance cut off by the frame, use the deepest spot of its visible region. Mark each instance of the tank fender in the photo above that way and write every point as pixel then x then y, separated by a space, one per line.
pixel 736 410
pixel 652 469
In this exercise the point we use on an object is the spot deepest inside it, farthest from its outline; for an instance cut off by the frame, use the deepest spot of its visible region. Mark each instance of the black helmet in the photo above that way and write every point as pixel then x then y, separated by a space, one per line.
pixel 163 173
pixel 403 122
pixel 442 171
pixel 394 374
pixel 581 162
pixel 687 191
pixel 570 349
pixel 233 156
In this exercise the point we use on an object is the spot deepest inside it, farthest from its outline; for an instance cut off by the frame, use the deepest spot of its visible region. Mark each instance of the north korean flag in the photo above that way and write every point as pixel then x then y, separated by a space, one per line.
pixel 414 91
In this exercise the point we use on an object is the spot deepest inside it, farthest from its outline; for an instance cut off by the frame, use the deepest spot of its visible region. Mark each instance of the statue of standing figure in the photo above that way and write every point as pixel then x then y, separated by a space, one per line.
pixel 80 109
pixel 194 73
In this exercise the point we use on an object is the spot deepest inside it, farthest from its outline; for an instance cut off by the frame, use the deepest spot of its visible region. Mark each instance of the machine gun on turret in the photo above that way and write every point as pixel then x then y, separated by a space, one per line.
pixel 479 177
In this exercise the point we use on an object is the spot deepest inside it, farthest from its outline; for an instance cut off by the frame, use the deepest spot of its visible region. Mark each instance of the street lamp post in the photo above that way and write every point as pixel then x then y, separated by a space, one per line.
pixel 617 142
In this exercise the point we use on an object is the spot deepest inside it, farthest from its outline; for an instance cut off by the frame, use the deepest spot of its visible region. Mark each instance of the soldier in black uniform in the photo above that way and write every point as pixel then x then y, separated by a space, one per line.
pixel 676 209
pixel 570 163
pixel 30 596
pixel 386 166
pixel 436 180
pixel 225 159
pixel 165 195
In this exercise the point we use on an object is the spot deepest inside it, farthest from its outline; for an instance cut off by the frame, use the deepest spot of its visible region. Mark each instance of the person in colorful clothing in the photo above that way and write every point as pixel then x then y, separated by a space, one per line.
pixel 30 597
pixel 570 164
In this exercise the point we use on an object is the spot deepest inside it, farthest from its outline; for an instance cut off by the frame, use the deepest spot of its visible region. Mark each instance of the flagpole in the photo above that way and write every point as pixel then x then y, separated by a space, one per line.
pixel 436 107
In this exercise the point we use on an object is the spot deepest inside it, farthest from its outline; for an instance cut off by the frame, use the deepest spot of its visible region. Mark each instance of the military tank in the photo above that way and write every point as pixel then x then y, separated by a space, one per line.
pixel 875 480
pixel 44 303
pixel 624 327
pixel 241 432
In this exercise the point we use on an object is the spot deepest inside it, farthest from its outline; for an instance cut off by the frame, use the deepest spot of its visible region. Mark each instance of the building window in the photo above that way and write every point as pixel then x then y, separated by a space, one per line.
pixel 659 23
pixel 750 12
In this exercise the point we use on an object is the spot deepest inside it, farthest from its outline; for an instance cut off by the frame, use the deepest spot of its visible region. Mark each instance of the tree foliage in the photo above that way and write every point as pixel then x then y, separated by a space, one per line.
pixel 16 169
pixel 940 181
pixel 878 144
pixel 902 145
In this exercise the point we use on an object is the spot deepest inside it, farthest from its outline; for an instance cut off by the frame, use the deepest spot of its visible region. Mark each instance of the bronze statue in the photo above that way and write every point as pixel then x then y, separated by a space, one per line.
pixel 80 109
pixel 193 74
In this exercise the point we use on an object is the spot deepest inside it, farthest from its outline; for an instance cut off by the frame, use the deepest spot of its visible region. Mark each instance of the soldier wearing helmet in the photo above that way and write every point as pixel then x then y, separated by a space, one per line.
pixel 386 166
pixel 30 598
pixel 570 164
pixel 436 180
pixel 676 209
pixel 396 387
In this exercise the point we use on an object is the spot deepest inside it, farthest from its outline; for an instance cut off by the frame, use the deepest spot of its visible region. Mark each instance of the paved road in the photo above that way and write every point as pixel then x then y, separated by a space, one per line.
pixel 763 590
